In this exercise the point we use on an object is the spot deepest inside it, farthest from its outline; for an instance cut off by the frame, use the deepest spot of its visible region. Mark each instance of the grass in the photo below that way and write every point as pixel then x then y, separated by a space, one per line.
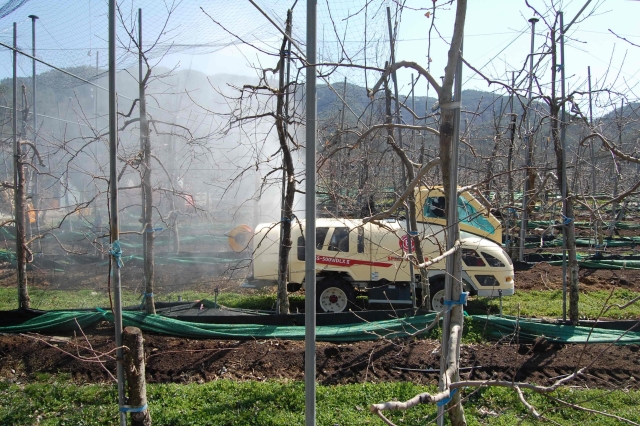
pixel 535 303
pixel 83 299
pixel 89 299
pixel 52 400
pixel 548 303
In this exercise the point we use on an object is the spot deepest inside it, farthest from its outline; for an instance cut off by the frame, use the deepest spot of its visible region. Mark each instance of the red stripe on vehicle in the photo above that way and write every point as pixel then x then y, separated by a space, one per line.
pixel 338 261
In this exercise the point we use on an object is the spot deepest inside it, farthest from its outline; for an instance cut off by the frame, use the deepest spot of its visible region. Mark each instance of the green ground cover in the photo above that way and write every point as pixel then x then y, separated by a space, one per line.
pixel 535 303
pixel 548 303
pixel 52 400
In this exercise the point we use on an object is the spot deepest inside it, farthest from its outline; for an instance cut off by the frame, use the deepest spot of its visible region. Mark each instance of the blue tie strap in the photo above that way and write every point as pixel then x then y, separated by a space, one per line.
pixel 130 409
pixel 447 400
pixel 451 303
pixel 116 252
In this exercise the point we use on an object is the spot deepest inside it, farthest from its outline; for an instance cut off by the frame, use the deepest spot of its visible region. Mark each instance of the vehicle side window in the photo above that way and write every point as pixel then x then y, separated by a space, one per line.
pixel 472 258
pixel 360 240
pixel 434 207
pixel 339 240
pixel 492 260
pixel 321 234
pixel 301 248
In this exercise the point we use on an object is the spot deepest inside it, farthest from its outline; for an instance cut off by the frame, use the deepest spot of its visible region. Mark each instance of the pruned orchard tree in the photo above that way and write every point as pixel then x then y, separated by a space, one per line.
pixel 50 162
pixel 266 105
pixel 449 380
pixel 450 353
pixel 141 160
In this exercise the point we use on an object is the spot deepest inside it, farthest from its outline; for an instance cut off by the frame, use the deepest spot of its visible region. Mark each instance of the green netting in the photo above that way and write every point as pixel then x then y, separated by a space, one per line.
pixel 56 321
pixel 199 260
pixel 497 327
pixel 342 333
pixel 132 244
pixel 590 242
pixel 532 224
pixel 625 225
pixel 529 330
pixel 604 264
pixel 7 256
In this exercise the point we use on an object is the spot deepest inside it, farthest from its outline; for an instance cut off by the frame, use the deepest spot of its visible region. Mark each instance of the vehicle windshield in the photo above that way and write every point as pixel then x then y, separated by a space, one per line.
pixel 434 207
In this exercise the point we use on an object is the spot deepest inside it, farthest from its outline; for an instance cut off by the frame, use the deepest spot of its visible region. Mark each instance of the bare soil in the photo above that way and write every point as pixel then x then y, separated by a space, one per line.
pixel 176 360
pixel 171 359
pixel 546 277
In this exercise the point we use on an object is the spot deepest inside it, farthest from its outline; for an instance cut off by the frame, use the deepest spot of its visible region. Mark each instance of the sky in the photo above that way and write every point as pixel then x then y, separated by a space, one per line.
pixel 497 37
pixel 497 42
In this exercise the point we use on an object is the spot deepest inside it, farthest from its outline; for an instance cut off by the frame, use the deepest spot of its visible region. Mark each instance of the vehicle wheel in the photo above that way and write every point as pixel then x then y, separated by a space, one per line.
pixel 334 296
pixel 437 295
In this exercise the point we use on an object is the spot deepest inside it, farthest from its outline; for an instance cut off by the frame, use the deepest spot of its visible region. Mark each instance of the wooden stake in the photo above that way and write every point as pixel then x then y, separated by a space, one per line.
pixel 135 371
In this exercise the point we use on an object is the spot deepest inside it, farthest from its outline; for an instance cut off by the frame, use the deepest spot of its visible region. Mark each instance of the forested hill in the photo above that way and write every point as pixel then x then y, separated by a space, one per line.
pixel 484 103
pixel 55 88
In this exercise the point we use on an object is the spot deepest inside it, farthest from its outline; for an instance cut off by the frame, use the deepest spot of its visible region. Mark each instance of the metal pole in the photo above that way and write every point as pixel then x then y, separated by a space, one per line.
pixel 16 157
pixel 593 156
pixel 563 131
pixel 35 196
pixel 95 118
pixel 615 172
pixel 413 108
pixel 142 137
pixel 310 222
pixel 395 93
pixel 409 230
pixel 338 165
pixel 527 140
pixel 576 17
pixel 510 211
pixel 98 213
pixel 113 192
pixel 14 112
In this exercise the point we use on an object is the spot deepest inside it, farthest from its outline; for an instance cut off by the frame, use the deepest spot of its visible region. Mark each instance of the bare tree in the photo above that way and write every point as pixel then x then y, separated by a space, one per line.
pixel 254 107
pixel 451 343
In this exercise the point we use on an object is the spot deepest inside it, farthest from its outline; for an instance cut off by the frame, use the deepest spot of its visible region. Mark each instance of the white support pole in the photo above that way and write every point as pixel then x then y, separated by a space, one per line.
pixel 310 222
pixel 35 196
pixel 528 149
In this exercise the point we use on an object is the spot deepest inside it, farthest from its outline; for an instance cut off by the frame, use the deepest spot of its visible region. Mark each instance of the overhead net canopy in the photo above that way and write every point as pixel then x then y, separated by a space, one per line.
pixel 73 34
pixel 201 179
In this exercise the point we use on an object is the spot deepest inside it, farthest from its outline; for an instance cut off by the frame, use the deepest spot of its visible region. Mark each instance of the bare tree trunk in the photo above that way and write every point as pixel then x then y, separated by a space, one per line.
pixel 173 214
pixel 510 216
pixel 494 152
pixel 568 219
pixel 406 165
pixel 27 173
pixel 147 204
pixel 287 163
pixel 19 199
pixel 454 326
pixel 24 301
pixel 149 234
pixel 135 371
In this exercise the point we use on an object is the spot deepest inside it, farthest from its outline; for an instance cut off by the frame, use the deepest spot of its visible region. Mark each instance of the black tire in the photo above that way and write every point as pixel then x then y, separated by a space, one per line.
pixel 436 295
pixel 418 295
pixel 334 295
